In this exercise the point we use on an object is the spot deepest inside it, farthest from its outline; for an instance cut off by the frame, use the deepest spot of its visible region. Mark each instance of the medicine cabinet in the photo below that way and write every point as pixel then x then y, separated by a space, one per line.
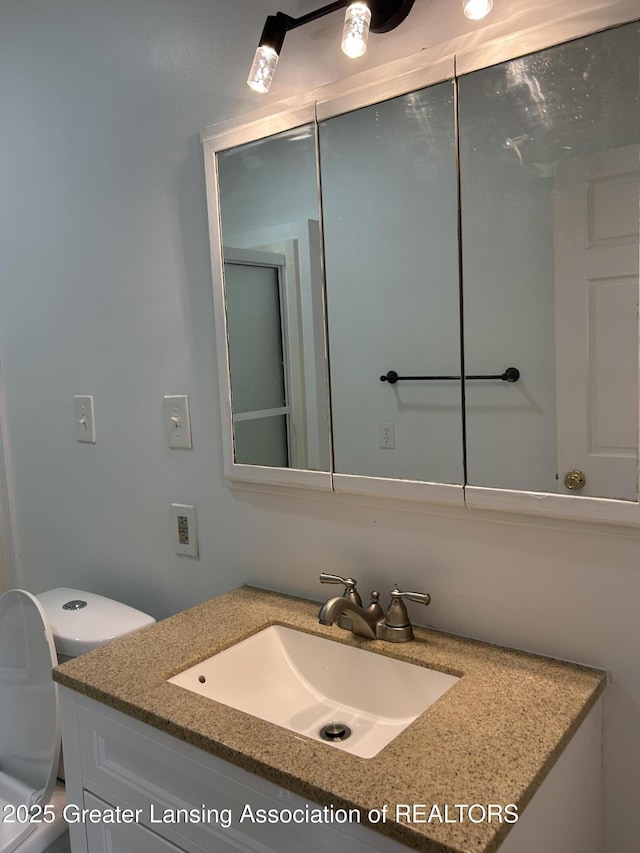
pixel 427 287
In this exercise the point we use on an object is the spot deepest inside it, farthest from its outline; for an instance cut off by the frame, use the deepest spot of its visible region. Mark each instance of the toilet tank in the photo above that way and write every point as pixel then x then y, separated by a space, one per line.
pixel 82 621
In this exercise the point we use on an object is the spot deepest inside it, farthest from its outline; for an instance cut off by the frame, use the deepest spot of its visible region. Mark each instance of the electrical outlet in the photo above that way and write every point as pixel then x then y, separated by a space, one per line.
pixel 184 530
pixel 386 435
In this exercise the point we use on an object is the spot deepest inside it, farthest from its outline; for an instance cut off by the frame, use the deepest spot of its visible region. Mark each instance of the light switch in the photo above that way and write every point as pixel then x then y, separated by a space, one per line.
pixel 177 420
pixel 184 531
pixel 85 421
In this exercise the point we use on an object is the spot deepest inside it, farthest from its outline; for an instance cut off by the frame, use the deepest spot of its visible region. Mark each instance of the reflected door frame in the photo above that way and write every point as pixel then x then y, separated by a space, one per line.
pixel 299 243
pixel 276 263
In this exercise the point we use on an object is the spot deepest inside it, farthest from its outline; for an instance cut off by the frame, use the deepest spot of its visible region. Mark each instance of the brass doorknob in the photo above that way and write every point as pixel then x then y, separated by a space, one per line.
pixel 575 480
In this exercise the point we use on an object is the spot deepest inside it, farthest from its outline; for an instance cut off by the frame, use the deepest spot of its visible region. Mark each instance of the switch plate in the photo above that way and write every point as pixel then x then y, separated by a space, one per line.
pixel 177 420
pixel 184 530
pixel 85 420
pixel 386 435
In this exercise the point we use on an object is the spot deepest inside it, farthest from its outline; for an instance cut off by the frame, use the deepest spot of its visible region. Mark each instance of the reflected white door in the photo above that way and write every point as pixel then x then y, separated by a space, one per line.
pixel 596 268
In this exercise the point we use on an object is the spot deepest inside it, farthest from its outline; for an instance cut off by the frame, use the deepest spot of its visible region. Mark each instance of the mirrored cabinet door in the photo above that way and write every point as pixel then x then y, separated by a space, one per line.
pixel 273 287
pixel 549 206
pixel 388 182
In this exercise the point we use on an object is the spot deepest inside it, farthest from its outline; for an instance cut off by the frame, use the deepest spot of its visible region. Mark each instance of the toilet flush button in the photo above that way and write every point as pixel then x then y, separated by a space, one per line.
pixel 76 604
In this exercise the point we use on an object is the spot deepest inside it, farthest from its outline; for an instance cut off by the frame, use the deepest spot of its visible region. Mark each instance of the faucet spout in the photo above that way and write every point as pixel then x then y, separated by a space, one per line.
pixel 364 624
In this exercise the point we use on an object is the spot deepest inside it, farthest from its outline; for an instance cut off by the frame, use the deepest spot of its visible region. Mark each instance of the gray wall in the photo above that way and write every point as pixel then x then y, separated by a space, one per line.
pixel 105 289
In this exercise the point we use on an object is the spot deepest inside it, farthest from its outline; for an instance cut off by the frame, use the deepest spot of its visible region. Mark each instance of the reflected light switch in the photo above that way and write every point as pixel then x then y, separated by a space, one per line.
pixel 85 421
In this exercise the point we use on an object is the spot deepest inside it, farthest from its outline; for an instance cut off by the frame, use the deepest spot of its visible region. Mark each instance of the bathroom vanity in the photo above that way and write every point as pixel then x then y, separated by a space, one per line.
pixel 157 767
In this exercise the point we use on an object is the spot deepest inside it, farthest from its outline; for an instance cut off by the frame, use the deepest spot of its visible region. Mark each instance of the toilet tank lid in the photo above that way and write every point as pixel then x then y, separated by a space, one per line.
pixel 81 621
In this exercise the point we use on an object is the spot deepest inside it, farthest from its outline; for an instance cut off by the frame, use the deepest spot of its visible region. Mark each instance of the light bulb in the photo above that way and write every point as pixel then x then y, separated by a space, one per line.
pixel 477 9
pixel 356 30
pixel 264 64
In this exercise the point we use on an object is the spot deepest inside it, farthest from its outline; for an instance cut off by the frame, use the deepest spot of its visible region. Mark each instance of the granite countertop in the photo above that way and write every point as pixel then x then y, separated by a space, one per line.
pixel 491 739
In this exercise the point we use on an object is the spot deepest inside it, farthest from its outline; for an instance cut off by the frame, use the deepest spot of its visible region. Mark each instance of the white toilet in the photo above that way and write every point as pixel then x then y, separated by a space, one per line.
pixel 36 633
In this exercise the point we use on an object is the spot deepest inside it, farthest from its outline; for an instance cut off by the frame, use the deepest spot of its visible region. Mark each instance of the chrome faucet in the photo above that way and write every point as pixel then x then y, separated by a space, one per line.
pixel 372 622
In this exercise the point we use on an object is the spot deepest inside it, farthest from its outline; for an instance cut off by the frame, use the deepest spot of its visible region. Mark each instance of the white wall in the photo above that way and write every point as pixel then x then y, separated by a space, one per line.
pixel 105 290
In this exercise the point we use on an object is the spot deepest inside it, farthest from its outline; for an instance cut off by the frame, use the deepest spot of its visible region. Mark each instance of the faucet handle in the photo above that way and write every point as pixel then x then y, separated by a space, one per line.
pixel 350 590
pixel 350 593
pixel 397 616
pixel 349 583
pixel 420 597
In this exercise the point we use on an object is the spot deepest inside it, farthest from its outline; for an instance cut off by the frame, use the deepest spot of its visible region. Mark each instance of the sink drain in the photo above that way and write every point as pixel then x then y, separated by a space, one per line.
pixel 335 732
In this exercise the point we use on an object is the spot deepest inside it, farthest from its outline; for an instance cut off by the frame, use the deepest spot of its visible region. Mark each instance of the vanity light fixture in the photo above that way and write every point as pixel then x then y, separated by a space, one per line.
pixel 380 16
pixel 355 34
pixel 475 10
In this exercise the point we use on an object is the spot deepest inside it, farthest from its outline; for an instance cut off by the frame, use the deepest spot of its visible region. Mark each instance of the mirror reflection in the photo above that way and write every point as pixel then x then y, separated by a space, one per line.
pixel 532 217
pixel 274 301
pixel 389 200
pixel 549 190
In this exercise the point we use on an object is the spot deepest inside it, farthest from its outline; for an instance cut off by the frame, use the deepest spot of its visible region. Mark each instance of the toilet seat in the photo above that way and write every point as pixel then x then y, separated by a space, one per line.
pixel 30 727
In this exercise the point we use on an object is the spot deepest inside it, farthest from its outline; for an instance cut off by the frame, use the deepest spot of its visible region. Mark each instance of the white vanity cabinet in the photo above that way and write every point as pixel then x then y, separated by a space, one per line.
pixel 137 779
pixel 115 763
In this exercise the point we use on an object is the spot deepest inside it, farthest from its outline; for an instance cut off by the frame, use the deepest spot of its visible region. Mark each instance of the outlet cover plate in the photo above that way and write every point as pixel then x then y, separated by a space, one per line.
pixel 386 435
pixel 184 530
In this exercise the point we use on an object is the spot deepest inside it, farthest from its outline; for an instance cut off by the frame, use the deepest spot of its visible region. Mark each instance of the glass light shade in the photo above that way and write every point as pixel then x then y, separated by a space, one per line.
pixel 477 9
pixel 356 30
pixel 261 74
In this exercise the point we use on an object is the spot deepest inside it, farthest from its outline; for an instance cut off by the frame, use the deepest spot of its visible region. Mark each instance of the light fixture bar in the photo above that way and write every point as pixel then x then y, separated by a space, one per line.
pixel 319 13
pixel 385 16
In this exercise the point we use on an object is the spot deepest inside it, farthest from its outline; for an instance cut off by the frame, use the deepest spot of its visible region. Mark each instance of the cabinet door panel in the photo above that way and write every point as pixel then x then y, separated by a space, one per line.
pixel 112 837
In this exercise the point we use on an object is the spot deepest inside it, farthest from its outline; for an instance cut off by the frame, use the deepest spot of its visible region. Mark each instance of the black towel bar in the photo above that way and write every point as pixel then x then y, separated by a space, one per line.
pixel 511 374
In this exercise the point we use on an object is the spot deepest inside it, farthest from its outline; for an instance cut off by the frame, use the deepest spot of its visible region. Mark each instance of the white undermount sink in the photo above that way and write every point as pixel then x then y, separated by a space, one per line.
pixel 304 683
